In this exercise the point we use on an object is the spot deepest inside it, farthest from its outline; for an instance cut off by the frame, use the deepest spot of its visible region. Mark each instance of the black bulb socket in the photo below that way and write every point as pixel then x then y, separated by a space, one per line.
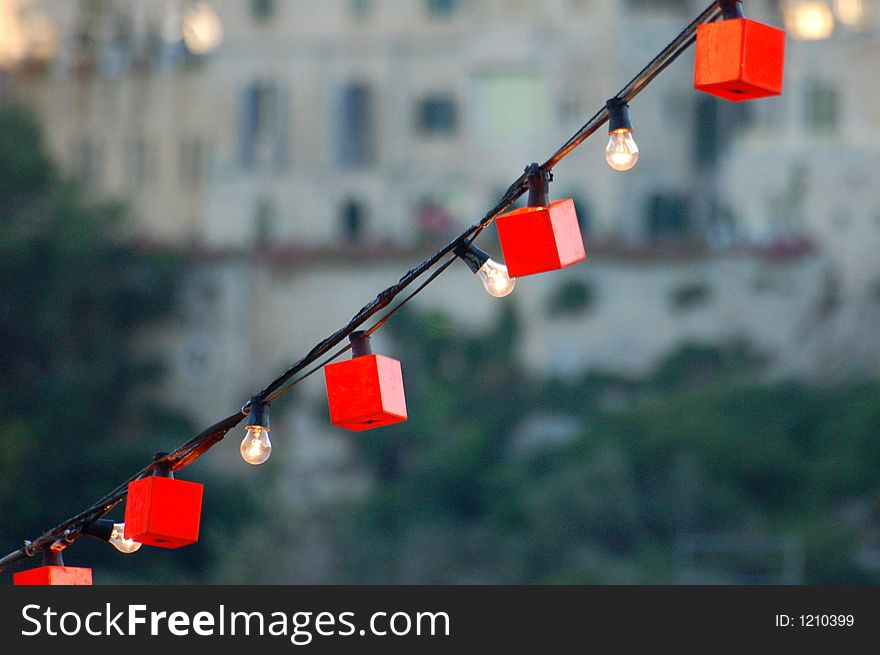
pixel 360 344
pixel 539 185
pixel 258 414
pixel 162 468
pixel 731 9
pixel 52 557
pixel 101 529
pixel 471 255
pixel 618 116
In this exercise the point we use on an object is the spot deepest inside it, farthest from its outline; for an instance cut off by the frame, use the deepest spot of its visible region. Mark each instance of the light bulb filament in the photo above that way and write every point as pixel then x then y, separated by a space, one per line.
pixel 256 447
pixel 120 543
pixel 622 152
pixel 496 279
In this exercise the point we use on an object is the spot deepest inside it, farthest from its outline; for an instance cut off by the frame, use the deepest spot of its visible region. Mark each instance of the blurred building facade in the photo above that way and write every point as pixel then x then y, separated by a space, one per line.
pixel 306 153
pixel 321 125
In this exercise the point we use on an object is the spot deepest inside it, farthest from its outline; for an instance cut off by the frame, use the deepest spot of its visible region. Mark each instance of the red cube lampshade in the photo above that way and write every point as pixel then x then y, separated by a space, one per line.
pixel 539 239
pixel 739 59
pixel 54 575
pixel 163 512
pixel 365 392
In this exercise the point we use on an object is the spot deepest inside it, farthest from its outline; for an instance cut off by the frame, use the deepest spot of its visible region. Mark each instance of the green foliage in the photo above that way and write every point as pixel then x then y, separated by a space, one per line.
pixel 26 173
pixel 693 364
pixel 699 446
pixel 74 382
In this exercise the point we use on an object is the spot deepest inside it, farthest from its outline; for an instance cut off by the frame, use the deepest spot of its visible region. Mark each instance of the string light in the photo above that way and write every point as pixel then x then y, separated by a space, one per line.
pixel 496 280
pixel 851 13
pixel 365 392
pixel 809 20
pixel 114 534
pixel 201 28
pixel 165 512
pixel 256 447
pixel 161 510
pixel 737 58
pixel 53 571
pixel 542 236
pixel 621 153
pixel 120 543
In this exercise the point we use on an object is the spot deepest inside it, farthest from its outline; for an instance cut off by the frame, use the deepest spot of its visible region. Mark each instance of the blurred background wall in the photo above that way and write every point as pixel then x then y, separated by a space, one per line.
pixel 299 156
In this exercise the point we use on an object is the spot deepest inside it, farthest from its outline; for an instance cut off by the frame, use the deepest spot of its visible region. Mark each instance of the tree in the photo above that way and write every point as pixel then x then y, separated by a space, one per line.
pixel 472 488
pixel 75 385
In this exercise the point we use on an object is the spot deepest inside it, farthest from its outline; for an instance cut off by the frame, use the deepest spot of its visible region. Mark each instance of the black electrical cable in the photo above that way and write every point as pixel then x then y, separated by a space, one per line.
pixel 187 453
pixel 339 353
pixel 635 86
pixel 657 65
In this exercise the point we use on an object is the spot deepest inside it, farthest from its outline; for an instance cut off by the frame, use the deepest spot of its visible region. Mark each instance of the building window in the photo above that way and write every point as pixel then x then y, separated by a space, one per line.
pixel 138 161
pixel 355 144
pixel 822 108
pixel 668 217
pixel 264 221
pixel 438 116
pixel 582 208
pixel 353 217
pixel 262 10
pixel 441 8
pixel 571 298
pixel 191 160
pixel 707 133
pixel 509 108
pixel 143 163
pixel 264 138
pixel 197 361
pixel 360 9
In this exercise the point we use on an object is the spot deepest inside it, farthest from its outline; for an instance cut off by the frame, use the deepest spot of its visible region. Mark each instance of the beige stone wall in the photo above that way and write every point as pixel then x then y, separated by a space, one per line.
pixel 572 55
pixel 248 319
pixel 777 179
pixel 251 322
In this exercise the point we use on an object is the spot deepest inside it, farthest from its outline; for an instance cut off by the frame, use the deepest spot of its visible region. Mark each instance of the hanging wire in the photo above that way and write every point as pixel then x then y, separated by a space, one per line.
pixel 187 453
pixel 339 353
pixel 635 86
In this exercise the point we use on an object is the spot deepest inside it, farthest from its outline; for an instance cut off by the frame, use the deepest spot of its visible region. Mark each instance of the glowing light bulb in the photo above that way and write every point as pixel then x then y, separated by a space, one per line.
pixel 13 45
pixel 851 13
pixel 256 447
pixel 622 152
pixel 201 28
pixel 810 20
pixel 496 279
pixel 120 543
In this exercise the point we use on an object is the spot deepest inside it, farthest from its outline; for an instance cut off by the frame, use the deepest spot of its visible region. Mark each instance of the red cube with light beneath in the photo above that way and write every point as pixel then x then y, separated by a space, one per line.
pixel 542 237
pixel 53 573
pixel 739 59
pixel 366 391
pixel 161 511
